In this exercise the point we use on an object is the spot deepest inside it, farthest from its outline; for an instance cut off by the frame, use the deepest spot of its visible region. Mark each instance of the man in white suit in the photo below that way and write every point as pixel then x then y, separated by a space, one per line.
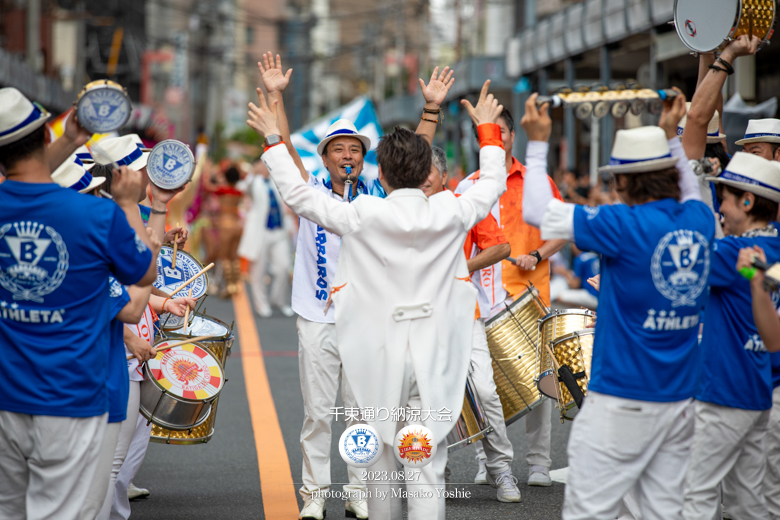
pixel 404 300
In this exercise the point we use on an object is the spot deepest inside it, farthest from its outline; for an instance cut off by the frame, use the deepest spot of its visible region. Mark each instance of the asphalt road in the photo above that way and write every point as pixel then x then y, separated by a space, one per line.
pixel 221 480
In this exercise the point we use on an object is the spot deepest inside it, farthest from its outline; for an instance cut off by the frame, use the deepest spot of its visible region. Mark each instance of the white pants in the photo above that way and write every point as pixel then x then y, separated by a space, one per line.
pixel 274 259
pixel 47 464
pixel 729 448
pixel 120 507
pixel 381 504
pixel 772 448
pixel 126 432
pixel 495 448
pixel 319 365
pixel 102 477
pixel 621 445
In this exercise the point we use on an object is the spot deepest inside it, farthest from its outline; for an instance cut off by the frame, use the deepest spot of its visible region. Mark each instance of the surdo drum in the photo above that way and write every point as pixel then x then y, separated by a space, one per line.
pixel 705 25
pixel 472 424
pixel 103 106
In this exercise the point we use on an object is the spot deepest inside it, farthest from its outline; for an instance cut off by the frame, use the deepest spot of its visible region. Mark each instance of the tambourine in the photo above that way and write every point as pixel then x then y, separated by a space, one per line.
pixel 103 106
pixel 170 165
pixel 603 101
pixel 707 25
pixel 170 279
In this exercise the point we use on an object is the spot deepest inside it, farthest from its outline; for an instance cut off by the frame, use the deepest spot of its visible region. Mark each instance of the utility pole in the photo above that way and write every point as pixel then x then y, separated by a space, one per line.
pixel 34 34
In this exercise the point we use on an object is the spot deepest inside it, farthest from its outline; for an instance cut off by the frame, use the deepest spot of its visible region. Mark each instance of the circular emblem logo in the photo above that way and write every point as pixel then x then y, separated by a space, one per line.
pixel 680 266
pixel 169 279
pixel 187 371
pixel 33 260
pixel 170 164
pixel 690 28
pixel 103 109
pixel 414 446
pixel 360 446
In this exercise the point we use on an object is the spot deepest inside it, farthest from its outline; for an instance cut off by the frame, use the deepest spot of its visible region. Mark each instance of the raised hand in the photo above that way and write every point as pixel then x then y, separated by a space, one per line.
pixel 673 112
pixel 273 78
pixel 74 132
pixel 127 186
pixel 487 109
pixel 262 118
pixel 742 46
pixel 435 92
pixel 536 121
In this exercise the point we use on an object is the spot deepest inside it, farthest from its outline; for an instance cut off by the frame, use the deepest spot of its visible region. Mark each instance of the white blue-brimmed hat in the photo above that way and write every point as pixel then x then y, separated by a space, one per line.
pixel 72 174
pixel 752 173
pixel 19 117
pixel 640 150
pixel 343 128
pixel 82 154
pixel 762 131
pixel 123 151
pixel 713 127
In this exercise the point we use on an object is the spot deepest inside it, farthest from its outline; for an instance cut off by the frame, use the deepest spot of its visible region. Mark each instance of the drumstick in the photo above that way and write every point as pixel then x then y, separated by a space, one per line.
pixel 185 284
pixel 510 259
pixel 750 32
pixel 187 313
pixel 175 249
pixel 179 344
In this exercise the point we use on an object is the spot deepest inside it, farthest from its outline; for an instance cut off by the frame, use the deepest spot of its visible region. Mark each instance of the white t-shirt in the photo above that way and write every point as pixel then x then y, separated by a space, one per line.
pixel 316 258
pixel 144 329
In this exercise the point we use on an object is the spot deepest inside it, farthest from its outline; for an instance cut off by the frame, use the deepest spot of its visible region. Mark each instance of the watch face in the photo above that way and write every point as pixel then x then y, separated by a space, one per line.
pixel 273 139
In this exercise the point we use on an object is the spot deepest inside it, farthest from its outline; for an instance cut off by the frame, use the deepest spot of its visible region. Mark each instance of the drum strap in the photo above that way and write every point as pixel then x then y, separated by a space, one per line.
pixel 566 377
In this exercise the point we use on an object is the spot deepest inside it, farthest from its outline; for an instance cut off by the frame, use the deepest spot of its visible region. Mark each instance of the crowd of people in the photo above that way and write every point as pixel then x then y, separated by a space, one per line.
pixel 393 283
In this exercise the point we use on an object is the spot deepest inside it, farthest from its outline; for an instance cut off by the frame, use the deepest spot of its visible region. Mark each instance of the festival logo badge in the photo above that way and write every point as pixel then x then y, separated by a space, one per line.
pixel 187 371
pixel 414 446
pixel 360 446
pixel 41 260
pixel 680 266
pixel 170 164
pixel 103 110
pixel 169 279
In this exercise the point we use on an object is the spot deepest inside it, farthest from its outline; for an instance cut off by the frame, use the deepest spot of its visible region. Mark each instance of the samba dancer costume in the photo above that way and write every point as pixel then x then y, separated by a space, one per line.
pixel 634 431
pixel 735 386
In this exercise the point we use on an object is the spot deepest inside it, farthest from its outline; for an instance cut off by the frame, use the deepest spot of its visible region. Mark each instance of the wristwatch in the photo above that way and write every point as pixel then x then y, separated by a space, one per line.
pixel 536 255
pixel 273 139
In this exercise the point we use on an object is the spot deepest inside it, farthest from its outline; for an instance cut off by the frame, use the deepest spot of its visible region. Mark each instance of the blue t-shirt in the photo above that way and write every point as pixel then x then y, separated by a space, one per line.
pixel 736 369
pixel 274 214
pixel 118 382
pixel 775 359
pixel 655 259
pixel 585 266
pixel 57 249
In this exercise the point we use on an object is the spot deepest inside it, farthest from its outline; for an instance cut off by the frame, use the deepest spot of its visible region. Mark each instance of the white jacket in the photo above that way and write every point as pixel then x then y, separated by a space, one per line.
pixel 256 220
pixel 402 282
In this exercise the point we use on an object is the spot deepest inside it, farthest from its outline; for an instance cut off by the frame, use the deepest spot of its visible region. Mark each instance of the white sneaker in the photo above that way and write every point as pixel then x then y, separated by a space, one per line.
pixel 481 477
pixel 313 509
pixel 266 313
pixel 539 476
pixel 287 311
pixel 725 515
pixel 356 509
pixel 506 485
pixel 136 492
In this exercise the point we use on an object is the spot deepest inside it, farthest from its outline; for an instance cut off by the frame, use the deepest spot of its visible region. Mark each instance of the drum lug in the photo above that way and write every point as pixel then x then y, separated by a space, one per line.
pixel 671 23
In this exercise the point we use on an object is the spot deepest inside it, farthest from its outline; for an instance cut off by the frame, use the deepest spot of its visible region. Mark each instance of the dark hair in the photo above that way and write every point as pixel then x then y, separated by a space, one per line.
pixel 506 115
pixel 232 176
pixel 763 210
pixel 104 170
pixel 405 158
pixel 657 185
pixel 718 151
pixel 27 146
pixel 362 146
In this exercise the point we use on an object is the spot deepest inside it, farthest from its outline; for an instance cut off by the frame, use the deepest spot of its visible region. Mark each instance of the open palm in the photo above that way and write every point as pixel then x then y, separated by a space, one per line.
pixel 273 78
pixel 437 88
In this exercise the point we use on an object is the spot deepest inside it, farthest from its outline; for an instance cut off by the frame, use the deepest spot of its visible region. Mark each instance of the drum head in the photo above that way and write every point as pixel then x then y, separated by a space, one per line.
pixel 103 107
pixel 547 385
pixel 202 325
pixel 189 372
pixel 170 164
pixel 703 24
pixel 169 279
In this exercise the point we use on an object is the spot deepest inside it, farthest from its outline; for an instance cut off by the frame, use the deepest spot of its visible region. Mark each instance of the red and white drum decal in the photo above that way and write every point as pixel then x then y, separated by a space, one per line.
pixel 187 371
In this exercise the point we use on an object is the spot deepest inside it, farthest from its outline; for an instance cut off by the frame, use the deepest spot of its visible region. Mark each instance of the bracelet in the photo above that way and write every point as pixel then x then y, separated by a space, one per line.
pixel 430 120
pixel 715 67
pixel 159 212
pixel 164 302
pixel 729 68
pixel 429 111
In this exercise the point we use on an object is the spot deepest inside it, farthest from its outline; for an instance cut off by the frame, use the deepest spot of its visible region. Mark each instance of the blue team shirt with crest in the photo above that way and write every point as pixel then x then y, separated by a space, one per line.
pixel 57 250
pixel 118 382
pixel 655 260
pixel 736 367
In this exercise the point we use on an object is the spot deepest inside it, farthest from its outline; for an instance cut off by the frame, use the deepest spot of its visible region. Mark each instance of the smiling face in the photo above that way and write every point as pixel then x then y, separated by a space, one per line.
pixel 340 153
pixel 769 151
pixel 435 182
pixel 734 212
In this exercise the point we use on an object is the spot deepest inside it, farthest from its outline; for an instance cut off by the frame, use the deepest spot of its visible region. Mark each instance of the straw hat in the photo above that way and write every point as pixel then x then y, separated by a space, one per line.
pixel 72 174
pixel 713 127
pixel 18 117
pixel 342 128
pixel 120 150
pixel 762 131
pixel 640 150
pixel 752 173
pixel 82 154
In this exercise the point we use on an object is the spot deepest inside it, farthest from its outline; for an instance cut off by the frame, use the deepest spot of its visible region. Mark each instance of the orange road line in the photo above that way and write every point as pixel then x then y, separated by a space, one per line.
pixel 276 483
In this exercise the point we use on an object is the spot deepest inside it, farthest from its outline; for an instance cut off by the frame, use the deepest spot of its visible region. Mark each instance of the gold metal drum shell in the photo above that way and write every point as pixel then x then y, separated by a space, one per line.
pixel 576 351
pixel 472 425
pixel 763 19
pixel 198 435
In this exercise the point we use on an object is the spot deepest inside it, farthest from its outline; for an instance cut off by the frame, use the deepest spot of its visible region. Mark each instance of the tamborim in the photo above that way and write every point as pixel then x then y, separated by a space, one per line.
pixel 169 279
pixel 472 424
pixel 103 106
pixel 512 337
pixel 170 164
pixel 704 25
pixel 179 386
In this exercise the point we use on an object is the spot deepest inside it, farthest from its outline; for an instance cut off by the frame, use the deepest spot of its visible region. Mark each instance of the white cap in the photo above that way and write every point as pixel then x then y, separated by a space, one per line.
pixel 342 128
pixel 713 127
pixel 72 174
pixel 120 150
pixel 762 131
pixel 752 173
pixel 19 117
pixel 640 150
